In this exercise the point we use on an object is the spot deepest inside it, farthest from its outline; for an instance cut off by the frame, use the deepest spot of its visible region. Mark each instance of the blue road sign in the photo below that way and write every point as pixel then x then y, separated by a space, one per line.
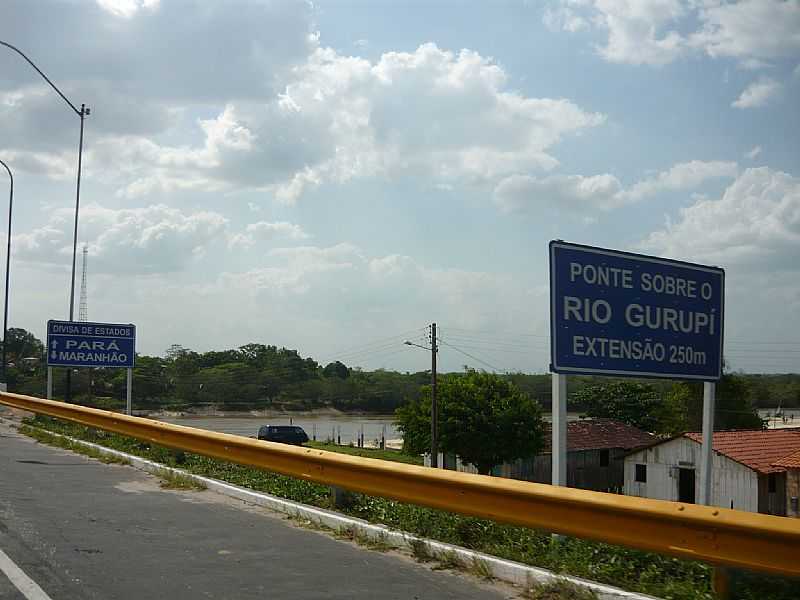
pixel 618 313
pixel 78 344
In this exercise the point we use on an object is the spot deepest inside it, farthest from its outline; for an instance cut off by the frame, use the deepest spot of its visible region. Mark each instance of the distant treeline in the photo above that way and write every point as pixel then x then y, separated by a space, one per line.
pixel 258 376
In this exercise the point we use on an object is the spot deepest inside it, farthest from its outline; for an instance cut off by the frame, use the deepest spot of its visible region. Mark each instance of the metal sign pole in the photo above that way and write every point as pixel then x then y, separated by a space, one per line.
pixel 706 475
pixel 559 435
pixel 129 390
pixel 49 383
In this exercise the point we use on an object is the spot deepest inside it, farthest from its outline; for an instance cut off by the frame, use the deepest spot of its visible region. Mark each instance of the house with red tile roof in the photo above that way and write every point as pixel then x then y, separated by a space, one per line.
pixel 792 465
pixel 596 450
pixel 749 469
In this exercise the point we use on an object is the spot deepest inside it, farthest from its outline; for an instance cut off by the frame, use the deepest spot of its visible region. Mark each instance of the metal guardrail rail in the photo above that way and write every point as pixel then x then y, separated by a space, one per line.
pixel 718 536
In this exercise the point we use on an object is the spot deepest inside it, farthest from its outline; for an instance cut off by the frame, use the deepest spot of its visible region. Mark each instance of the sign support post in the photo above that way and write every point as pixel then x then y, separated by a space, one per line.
pixel 49 383
pixel 129 391
pixel 559 429
pixel 709 389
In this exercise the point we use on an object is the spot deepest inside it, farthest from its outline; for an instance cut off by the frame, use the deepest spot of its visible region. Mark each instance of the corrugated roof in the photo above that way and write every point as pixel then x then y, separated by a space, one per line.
pixel 791 461
pixel 758 449
pixel 601 434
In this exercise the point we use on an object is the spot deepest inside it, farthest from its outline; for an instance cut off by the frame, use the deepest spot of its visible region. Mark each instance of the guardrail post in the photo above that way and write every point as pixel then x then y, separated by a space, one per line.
pixel 721 583
pixel 340 497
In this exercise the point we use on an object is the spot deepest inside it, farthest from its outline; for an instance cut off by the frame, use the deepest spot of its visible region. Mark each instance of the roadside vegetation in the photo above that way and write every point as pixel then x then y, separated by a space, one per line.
pixel 179 481
pixel 58 441
pixel 654 574
pixel 392 455
pixel 558 590
pixel 484 419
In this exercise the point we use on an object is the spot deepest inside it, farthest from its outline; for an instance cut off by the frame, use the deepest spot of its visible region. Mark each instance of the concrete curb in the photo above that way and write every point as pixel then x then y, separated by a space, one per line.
pixel 502 569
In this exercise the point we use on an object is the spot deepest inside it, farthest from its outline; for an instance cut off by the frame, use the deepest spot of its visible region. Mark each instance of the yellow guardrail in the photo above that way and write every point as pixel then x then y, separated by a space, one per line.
pixel 716 535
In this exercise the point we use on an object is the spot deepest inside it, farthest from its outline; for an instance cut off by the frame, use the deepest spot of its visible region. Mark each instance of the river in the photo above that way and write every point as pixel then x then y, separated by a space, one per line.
pixel 342 428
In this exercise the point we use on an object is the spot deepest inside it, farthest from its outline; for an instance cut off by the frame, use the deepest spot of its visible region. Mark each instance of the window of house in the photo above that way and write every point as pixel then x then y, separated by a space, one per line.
pixel 603 458
pixel 772 485
pixel 641 473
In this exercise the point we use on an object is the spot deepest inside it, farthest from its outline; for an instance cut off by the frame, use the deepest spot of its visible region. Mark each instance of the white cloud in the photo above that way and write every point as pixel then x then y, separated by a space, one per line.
pixel 429 113
pixel 520 192
pixel 60 166
pixel 153 239
pixel 266 231
pixel 761 29
pixel 145 66
pixel 753 64
pixel 682 176
pixel 368 290
pixel 603 192
pixel 127 8
pixel 656 32
pixel 295 271
pixel 565 18
pixel 757 93
pixel 638 31
pixel 756 224
pixel 752 154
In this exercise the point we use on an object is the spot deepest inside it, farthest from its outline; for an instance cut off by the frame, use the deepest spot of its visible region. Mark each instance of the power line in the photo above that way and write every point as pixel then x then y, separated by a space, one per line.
pixel 379 340
pixel 496 331
pixel 495 342
pixel 483 362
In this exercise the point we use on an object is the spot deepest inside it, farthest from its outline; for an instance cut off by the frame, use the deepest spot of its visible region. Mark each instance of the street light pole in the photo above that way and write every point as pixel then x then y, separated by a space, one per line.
pixel 83 112
pixel 8 274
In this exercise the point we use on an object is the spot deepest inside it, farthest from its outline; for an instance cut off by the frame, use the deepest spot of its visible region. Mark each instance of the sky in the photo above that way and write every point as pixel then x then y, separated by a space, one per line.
pixel 334 176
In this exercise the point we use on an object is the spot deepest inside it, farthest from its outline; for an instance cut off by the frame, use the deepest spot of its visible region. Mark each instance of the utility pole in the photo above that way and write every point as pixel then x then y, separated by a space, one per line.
pixel 434 407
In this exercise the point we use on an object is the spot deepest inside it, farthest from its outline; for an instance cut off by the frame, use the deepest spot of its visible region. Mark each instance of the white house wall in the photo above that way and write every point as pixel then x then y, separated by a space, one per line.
pixel 733 483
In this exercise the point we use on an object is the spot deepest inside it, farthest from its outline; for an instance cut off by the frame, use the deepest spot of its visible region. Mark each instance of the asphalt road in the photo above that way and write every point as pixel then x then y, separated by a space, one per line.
pixel 84 530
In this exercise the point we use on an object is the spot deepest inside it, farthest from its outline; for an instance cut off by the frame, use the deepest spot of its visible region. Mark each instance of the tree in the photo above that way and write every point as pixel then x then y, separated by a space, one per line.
pixel 336 369
pixel 734 408
pixel 483 418
pixel 634 403
pixel 22 344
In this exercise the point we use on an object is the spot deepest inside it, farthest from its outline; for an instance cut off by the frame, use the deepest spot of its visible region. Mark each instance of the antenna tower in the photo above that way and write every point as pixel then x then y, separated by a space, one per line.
pixel 83 311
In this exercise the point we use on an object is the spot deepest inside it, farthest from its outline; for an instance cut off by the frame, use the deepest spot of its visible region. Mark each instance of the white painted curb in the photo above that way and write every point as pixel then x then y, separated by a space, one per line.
pixel 504 570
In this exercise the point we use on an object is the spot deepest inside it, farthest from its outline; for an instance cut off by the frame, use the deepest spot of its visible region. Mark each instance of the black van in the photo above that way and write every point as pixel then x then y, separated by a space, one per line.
pixel 285 434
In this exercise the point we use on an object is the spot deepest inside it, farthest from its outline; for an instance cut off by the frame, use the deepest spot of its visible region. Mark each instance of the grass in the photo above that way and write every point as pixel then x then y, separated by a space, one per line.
pixel 60 442
pixel 449 560
pixel 392 455
pixel 362 538
pixel 560 589
pixel 420 550
pixel 305 523
pixel 170 480
pixel 665 577
pixel 481 569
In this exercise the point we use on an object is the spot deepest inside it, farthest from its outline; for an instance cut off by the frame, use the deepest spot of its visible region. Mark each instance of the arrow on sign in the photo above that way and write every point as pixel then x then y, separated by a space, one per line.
pixel 53 355
pixel 54 344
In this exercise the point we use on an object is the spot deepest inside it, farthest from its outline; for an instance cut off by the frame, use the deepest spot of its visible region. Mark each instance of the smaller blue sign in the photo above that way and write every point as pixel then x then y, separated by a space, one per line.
pixel 619 313
pixel 79 344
